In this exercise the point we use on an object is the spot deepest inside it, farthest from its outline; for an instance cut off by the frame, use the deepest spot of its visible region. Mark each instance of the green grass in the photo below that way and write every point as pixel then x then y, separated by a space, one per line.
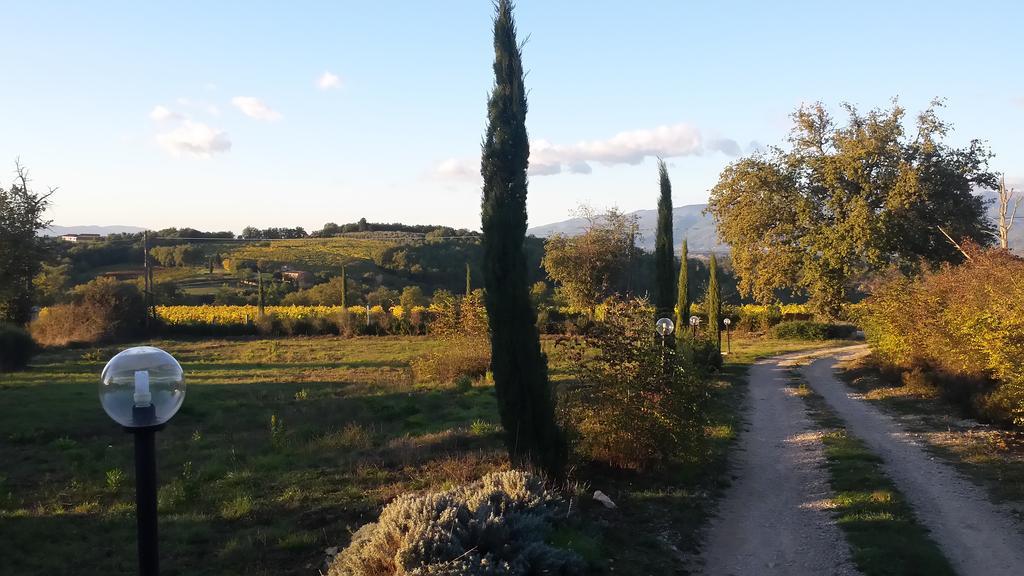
pixel 236 497
pixel 884 535
pixel 352 431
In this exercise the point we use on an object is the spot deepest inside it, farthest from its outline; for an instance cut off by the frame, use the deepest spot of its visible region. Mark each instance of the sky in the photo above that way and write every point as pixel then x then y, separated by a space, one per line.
pixel 221 115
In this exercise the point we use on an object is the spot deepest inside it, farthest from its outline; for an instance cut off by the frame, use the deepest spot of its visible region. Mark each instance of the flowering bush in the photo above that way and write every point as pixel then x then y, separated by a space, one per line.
pixel 494 526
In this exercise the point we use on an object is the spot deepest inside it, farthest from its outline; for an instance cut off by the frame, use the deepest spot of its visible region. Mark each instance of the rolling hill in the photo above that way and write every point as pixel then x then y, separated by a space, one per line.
pixel 688 221
pixel 700 230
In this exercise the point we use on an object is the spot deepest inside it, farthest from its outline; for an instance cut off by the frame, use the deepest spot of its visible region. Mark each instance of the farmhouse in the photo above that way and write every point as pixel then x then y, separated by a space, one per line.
pixel 300 278
pixel 81 237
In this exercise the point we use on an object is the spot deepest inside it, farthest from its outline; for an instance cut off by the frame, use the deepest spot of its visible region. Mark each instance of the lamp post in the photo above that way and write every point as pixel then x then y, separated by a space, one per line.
pixel 141 389
pixel 728 331
pixel 664 326
pixel 694 323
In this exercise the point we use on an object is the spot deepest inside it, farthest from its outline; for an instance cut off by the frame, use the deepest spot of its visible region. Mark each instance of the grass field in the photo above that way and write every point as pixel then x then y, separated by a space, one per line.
pixel 237 496
pixel 283 447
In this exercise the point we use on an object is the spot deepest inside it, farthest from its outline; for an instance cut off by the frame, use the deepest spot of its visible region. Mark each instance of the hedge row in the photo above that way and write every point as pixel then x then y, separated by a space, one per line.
pixel 963 327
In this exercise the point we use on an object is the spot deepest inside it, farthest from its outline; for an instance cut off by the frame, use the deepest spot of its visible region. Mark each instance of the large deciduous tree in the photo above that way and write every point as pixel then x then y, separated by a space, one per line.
pixel 665 291
pixel 843 202
pixel 593 265
pixel 525 398
pixel 21 252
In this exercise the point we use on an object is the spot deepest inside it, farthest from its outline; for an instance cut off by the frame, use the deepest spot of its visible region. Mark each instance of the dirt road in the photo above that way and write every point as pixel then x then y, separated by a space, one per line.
pixel 772 521
pixel 978 537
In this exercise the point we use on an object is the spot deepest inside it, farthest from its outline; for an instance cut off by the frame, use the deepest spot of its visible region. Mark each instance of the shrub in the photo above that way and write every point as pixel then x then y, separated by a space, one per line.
pixel 494 526
pixel 459 357
pixel 16 348
pixel 705 355
pixel 963 326
pixel 101 310
pixel 269 325
pixel 807 330
pixel 800 330
pixel 636 403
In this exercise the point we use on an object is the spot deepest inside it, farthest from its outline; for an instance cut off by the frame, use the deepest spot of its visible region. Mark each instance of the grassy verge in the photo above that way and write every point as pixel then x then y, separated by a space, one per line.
pixel 238 494
pixel 991 456
pixel 884 535
pixel 658 524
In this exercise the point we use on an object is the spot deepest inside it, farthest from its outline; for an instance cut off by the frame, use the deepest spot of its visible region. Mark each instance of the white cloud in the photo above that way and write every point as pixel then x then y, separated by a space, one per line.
pixel 629 148
pixel 458 169
pixel 162 113
pixel 194 138
pixel 328 81
pixel 255 108
pixel 726 146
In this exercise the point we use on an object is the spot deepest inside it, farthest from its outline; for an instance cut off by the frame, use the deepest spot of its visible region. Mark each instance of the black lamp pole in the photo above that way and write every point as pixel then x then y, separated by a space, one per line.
pixel 145 487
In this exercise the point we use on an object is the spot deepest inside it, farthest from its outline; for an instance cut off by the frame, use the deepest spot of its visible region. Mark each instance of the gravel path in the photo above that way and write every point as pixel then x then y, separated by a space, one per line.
pixel 772 520
pixel 977 536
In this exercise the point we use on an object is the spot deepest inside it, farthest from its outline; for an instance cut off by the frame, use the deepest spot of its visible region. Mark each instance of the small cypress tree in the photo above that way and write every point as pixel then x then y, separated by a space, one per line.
pixel 713 301
pixel 469 282
pixel 664 260
pixel 683 296
pixel 344 289
pixel 259 296
pixel 525 399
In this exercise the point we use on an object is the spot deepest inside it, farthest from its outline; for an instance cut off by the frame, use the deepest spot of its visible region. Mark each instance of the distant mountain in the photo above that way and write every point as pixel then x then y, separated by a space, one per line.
pixel 101 230
pixel 702 235
pixel 688 221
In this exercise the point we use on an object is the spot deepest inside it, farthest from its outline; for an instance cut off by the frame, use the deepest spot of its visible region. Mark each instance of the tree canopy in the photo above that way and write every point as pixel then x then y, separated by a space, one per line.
pixel 843 202
pixel 21 257
pixel 593 265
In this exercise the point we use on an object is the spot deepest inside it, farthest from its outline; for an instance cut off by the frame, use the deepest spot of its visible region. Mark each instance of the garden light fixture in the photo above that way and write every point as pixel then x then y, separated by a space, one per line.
pixel 664 326
pixel 141 389
pixel 728 339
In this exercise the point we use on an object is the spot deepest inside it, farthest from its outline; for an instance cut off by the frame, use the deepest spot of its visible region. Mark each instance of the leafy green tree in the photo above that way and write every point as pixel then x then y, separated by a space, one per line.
pixel 412 296
pixel 713 304
pixel 525 398
pixel 593 265
pixel 665 292
pixel 845 202
pixel 683 295
pixel 51 283
pixel 21 250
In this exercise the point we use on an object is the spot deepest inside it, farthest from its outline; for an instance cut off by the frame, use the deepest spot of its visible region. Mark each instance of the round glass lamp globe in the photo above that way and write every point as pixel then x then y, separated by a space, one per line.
pixel 727 321
pixel 694 320
pixel 142 386
pixel 664 326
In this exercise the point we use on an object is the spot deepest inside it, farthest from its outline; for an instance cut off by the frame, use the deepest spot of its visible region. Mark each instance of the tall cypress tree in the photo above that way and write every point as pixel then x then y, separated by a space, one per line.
pixel 344 289
pixel 713 301
pixel 664 261
pixel 525 398
pixel 683 295
pixel 469 282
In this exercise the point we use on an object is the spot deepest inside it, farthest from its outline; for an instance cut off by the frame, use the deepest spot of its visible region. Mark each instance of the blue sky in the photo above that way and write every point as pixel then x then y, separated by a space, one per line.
pixel 218 115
